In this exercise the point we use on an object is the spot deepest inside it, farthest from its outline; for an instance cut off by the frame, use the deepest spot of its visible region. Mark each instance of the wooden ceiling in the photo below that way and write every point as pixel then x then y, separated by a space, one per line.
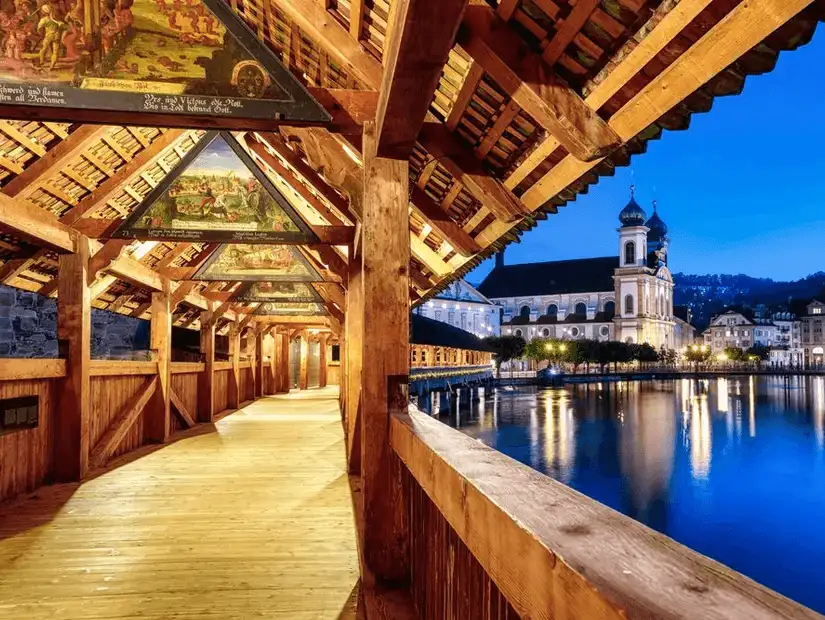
pixel 506 110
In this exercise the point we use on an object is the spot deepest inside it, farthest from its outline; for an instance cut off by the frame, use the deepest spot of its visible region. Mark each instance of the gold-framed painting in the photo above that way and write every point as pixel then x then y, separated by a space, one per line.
pixel 278 292
pixel 252 262
pixel 216 194
pixel 291 309
pixel 165 57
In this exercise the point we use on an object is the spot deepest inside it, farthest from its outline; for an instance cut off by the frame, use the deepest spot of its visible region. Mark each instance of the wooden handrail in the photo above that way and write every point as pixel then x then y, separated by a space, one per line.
pixel 17 369
pixel 179 368
pixel 107 368
pixel 223 365
pixel 551 550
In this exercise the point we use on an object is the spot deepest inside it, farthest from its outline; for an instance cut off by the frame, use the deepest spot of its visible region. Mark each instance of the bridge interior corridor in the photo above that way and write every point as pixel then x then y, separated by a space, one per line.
pixel 249 518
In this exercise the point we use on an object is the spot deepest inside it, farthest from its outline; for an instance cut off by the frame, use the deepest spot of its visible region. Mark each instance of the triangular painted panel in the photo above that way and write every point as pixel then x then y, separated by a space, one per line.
pixel 291 309
pixel 216 194
pixel 193 58
pixel 245 262
pixel 278 292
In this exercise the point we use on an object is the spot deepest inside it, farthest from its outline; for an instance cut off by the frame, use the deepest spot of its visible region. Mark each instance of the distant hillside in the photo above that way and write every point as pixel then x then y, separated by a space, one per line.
pixel 708 294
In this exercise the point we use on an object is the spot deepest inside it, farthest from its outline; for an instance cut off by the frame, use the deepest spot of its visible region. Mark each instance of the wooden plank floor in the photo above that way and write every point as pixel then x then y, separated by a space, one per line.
pixel 251 519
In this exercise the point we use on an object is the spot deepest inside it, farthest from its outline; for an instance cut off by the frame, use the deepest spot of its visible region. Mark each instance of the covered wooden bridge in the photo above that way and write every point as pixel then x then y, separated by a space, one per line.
pixel 289 177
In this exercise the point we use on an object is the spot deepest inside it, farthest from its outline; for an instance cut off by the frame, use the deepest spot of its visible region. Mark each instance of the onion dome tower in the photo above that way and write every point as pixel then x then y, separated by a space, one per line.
pixel 657 235
pixel 632 214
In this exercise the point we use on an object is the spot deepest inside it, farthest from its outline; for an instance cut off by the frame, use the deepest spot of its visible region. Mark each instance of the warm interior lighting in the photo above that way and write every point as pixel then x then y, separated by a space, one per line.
pixel 143 249
pixel 352 154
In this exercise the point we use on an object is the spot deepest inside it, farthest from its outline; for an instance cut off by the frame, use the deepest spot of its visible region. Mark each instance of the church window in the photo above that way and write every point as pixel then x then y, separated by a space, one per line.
pixel 581 309
pixel 525 312
pixel 629 253
pixel 552 310
pixel 545 332
pixel 628 304
pixel 574 331
pixel 604 330
pixel 518 332
pixel 610 309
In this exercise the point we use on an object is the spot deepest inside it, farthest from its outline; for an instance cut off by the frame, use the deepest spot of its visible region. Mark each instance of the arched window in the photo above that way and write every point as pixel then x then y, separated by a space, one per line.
pixel 517 332
pixel 525 312
pixel 545 332
pixel 629 253
pixel 581 309
pixel 628 304
pixel 610 309
pixel 552 310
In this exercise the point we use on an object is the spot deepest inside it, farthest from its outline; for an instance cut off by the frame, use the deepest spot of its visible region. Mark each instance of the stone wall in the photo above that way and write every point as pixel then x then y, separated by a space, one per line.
pixel 28 328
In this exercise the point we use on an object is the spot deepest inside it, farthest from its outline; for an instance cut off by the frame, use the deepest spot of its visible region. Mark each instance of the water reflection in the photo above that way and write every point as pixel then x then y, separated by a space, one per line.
pixel 732 467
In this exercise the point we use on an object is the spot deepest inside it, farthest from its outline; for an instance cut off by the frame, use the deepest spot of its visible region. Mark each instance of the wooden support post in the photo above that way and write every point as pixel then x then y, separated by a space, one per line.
pixel 274 360
pixel 283 368
pixel 206 379
pixel 235 378
pixel 354 342
pixel 157 421
pixel 386 367
pixel 303 380
pixel 259 363
pixel 74 334
pixel 322 357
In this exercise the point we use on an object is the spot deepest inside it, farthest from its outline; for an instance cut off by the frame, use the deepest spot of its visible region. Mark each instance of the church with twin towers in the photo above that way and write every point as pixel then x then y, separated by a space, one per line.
pixel 626 297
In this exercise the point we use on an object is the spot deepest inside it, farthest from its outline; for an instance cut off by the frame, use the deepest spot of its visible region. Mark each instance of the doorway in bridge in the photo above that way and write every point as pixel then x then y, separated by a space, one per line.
pixel 314 365
pixel 294 363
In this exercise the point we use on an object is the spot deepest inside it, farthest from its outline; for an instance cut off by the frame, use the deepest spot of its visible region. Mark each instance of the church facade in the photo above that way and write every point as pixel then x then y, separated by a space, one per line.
pixel 626 297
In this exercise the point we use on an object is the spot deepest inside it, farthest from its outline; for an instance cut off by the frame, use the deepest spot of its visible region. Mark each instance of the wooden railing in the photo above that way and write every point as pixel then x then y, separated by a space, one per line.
pixel 120 392
pixel 491 538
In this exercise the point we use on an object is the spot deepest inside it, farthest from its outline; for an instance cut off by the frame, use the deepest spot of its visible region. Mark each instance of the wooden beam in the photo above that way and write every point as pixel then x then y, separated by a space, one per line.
pixel 671 24
pixel 312 178
pixel 322 28
pixel 172 255
pixel 100 286
pixel 235 375
pixel 470 172
pixel 180 293
pixel 259 150
pixel 568 29
pixel 184 414
pixel 206 379
pixel 356 16
pixel 35 225
pixel 344 119
pixel 441 222
pixel 106 255
pixel 113 185
pixel 259 363
pixel 322 362
pixel 737 33
pixel 16 266
pixel 122 423
pixel 384 379
pixel 422 33
pixel 157 422
pixel 533 85
pixel 74 335
pixel 55 158
pixel 465 95
pixel 303 378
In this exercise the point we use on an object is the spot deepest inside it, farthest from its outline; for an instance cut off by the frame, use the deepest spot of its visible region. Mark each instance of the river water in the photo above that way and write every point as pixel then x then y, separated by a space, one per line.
pixel 733 468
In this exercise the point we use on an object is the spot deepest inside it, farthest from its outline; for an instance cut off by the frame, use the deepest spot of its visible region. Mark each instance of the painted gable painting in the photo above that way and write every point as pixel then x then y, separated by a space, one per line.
pixel 291 309
pixel 246 262
pixel 216 193
pixel 192 57
pixel 280 292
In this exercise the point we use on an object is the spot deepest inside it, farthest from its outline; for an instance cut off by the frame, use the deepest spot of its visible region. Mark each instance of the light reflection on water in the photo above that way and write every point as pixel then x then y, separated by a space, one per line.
pixel 734 468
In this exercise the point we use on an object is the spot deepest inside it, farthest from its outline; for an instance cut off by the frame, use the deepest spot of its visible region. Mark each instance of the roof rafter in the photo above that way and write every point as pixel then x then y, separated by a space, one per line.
pixel 534 86
pixel 737 33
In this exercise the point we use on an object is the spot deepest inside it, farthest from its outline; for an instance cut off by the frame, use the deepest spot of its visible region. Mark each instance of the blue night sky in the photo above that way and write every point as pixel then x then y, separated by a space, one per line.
pixel 741 190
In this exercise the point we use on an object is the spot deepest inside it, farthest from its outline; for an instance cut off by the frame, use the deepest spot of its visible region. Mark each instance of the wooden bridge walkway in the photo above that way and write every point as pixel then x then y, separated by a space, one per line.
pixel 249 518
